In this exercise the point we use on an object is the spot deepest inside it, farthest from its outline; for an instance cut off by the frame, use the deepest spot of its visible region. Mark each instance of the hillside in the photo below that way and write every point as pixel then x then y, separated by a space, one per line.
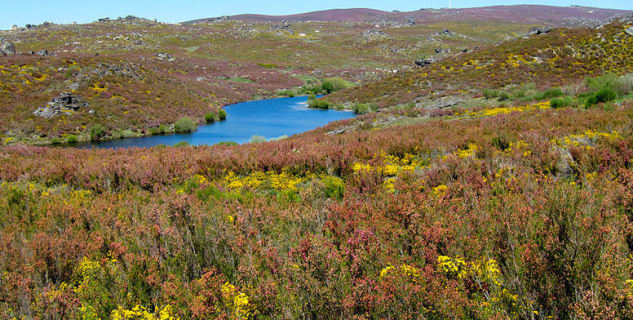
pixel 536 14
pixel 561 57
pixel 138 76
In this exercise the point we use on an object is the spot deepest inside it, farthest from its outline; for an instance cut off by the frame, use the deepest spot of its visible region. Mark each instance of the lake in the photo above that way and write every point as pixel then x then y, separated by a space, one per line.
pixel 271 118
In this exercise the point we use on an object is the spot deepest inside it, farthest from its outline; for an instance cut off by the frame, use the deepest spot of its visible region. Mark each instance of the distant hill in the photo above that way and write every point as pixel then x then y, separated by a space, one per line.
pixel 538 14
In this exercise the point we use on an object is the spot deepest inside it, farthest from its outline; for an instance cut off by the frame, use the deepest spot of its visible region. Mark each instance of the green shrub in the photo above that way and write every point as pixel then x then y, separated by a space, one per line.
pixel 334 187
pixel 504 96
pixel 605 81
pixel 361 108
pixel 97 132
pixel 603 95
pixel 226 143
pixel 257 139
pixel 210 117
pixel 550 93
pixel 562 102
pixel 185 125
pixel 624 84
pixel 319 104
pixel 71 139
pixel 490 93
pixel 182 144
pixel 222 114
pixel 56 140
pixel 335 84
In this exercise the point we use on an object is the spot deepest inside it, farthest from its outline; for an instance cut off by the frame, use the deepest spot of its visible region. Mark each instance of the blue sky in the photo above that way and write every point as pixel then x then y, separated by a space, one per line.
pixel 21 12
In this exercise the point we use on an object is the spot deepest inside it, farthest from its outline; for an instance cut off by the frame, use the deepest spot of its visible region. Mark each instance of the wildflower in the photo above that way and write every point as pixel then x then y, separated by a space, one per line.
pixel 386 270
pixel 440 190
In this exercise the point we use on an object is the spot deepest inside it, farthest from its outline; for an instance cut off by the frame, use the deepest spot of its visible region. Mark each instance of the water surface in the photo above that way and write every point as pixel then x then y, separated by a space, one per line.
pixel 270 118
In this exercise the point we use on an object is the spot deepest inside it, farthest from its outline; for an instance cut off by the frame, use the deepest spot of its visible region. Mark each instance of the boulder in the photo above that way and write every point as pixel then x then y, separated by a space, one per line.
pixel 64 103
pixel 629 31
pixel 6 47
pixel 42 53
pixel 538 31
pixel 425 62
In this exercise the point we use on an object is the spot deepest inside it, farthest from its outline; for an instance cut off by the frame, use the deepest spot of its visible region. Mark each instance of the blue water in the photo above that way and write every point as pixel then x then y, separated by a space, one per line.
pixel 270 118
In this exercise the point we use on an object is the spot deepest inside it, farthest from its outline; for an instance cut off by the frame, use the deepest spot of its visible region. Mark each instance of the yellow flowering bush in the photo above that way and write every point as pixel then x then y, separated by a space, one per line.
pixel 237 302
pixel 507 110
pixel 141 313
pixel 585 138
pixel 407 270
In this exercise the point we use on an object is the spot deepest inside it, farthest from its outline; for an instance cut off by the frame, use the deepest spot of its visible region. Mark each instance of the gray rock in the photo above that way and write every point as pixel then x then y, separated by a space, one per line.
pixel 425 62
pixel 564 167
pixel 538 31
pixel 444 102
pixel 6 47
pixel 164 56
pixel 64 103
pixel 42 53
pixel 629 31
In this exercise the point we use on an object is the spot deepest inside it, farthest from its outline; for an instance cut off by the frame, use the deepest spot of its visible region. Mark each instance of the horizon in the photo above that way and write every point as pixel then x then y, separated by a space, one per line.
pixel 164 12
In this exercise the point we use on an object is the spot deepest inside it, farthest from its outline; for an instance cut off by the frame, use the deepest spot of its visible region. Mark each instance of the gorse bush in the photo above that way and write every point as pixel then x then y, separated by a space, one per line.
pixel 185 125
pixel 361 108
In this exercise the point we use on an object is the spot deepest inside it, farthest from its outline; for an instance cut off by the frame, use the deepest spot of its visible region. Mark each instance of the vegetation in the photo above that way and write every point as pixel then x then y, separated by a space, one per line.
pixel 97 132
pixel 185 125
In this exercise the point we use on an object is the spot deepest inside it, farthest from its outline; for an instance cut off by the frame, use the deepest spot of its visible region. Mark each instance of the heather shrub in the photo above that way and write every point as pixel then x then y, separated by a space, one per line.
pixel 185 125
pixel 97 132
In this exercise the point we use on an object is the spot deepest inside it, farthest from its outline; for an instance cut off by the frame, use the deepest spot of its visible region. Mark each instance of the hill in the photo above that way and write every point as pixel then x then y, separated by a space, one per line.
pixel 536 14
pixel 561 57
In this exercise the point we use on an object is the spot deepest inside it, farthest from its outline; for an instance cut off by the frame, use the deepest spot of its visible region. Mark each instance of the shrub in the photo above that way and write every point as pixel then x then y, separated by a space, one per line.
pixel 490 93
pixel 71 139
pixel 319 104
pixel 562 102
pixel 624 84
pixel 257 139
pixel 334 187
pixel 222 114
pixel 226 143
pixel 550 93
pixel 603 95
pixel 185 125
pixel 504 95
pixel 210 117
pixel 335 84
pixel 361 108
pixel 605 81
pixel 182 144
pixel 97 132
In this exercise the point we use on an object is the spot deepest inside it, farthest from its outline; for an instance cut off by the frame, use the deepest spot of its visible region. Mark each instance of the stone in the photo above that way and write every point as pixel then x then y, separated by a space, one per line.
pixel 444 102
pixel 6 47
pixel 64 103
pixel 538 31
pixel 425 62
pixel 42 53
pixel 629 31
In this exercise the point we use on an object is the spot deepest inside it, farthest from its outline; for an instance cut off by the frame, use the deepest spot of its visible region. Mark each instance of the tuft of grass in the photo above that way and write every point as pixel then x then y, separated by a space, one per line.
pixel 562 102
pixel 257 139
pixel 211 117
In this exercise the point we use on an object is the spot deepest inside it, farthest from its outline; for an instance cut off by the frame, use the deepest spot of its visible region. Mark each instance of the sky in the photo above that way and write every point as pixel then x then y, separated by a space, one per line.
pixel 22 12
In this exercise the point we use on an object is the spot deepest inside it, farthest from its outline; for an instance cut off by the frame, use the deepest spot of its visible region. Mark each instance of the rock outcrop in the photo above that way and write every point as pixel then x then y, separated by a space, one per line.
pixel 64 103
pixel 6 47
